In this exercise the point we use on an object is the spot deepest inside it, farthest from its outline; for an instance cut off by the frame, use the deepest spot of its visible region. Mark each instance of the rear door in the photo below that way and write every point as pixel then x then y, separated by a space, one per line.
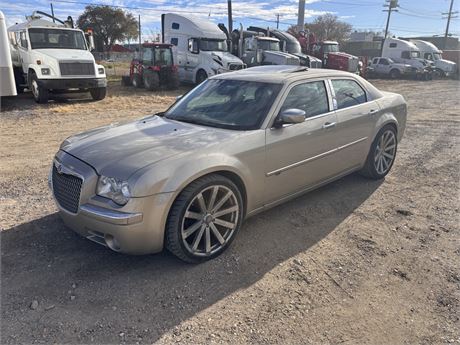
pixel 300 155
pixel 356 116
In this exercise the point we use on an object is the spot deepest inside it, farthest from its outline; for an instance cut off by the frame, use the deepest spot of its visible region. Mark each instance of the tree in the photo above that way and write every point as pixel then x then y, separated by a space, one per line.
pixel 327 27
pixel 108 24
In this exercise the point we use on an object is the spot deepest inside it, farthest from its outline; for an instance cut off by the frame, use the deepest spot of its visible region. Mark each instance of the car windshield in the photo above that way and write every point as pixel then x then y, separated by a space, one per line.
pixel 390 61
pixel 330 48
pixel 437 56
pixel 56 38
pixel 231 104
pixel 414 54
pixel 213 45
pixel 268 45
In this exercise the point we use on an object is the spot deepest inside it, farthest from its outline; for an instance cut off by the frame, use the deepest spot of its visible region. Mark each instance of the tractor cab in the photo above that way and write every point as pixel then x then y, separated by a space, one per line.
pixel 153 68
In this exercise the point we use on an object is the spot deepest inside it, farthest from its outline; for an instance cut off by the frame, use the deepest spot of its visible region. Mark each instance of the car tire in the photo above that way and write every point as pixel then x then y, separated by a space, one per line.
pixel 98 93
pixel 395 74
pixel 137 80
pixel 40 93
pixel 204 219
pixel 382 154
pixel 201 76
pixel 151 80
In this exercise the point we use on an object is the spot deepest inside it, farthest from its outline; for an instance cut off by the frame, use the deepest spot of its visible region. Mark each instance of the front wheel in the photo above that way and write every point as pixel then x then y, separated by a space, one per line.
pixel 201 76
pixel 382 154
pixel 98 93
pixel 395 74
pixel 40 93
pixel 204 219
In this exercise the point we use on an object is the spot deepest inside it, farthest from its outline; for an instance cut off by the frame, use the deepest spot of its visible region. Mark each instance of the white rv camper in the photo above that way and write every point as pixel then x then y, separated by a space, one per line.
pixel 7 84
pixel 406 53
pixel 430 52
pixel 49 56
pixel 199 46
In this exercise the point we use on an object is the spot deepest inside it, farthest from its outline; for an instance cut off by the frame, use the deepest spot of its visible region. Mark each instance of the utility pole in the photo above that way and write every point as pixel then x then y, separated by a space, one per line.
pixel 391 5
pixel 140 37
pixel 230 19
pixel 449 15
pixel 52 11
pixel 301 16
pixel 278 21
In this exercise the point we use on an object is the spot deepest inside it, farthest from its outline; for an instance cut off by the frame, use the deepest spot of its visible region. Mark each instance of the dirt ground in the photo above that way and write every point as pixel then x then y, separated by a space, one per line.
pixel 357 261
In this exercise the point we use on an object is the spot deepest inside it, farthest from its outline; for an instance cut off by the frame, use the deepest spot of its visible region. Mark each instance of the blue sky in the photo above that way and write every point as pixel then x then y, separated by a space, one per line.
pixel 415 17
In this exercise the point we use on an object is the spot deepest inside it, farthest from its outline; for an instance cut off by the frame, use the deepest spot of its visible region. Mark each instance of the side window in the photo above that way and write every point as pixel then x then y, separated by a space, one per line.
pixel 12 38
pixel 309 97
pixel 23 39
pixel 393 45
pixel 174 41
pixel 175 26
pixel 384 62
pixel 348 93
pixel 405 55
pixel 147 55
pixel 428 56
pixel 375 61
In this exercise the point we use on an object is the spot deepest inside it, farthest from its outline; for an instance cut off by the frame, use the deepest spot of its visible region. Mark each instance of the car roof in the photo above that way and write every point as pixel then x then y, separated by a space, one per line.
pixel 281 73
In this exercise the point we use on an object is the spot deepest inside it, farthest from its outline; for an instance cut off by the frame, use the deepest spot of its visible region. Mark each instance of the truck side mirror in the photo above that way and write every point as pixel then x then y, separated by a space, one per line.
pixel 90 41
pixel 193 46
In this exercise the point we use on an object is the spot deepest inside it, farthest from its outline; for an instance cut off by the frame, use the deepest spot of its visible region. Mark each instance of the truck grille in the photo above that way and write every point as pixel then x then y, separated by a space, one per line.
pixel 235 66
pixel 66 189
pixel 76 68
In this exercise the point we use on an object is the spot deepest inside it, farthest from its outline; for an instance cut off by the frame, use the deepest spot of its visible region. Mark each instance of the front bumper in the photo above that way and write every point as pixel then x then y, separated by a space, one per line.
pixel 77 83
pixel 136 228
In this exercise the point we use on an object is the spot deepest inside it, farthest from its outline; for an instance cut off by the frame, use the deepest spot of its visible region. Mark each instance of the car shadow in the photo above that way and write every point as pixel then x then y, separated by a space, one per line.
pixel 89 294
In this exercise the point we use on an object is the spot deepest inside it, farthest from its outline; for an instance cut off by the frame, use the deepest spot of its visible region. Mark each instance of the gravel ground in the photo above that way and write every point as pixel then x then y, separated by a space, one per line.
pixel 356 261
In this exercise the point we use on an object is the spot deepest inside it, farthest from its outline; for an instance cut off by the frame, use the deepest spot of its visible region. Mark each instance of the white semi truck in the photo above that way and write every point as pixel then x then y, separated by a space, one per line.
pixel 51 56
pixel 429 51
pixel 7 84
pixel 199 46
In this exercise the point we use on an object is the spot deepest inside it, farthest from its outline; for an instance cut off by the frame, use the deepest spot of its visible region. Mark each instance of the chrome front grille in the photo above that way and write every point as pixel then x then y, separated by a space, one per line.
pixel 66 189
pixel 235 66
pixel 77 68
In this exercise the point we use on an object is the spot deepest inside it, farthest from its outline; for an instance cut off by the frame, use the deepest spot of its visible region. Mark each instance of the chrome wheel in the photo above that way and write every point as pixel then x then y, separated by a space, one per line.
pixel 35 89
pixel 385 152
pixel 210 220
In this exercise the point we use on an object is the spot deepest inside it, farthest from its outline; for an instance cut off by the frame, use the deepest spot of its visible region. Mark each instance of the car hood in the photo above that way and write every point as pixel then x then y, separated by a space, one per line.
pixel 120 150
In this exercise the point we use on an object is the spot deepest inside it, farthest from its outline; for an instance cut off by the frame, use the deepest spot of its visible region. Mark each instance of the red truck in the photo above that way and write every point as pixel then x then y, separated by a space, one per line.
pixel 329 53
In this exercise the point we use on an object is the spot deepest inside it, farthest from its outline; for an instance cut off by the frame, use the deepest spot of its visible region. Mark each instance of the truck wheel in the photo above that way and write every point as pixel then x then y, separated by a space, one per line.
pixel 40 93
pixel 173 83
pixel 151 80
pixel 395 74
pixel 438 74
pixel 201 76
pixel 98 93
pixel 137 80
pixel 126 80
pixel 19 80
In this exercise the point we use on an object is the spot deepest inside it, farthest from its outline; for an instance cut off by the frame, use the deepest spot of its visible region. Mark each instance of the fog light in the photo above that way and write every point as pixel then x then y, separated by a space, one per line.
pixel 45 71
pixel 112 242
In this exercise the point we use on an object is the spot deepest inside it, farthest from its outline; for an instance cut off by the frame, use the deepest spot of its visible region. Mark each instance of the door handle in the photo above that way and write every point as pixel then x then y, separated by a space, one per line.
pixel 373 111
pixel 328 125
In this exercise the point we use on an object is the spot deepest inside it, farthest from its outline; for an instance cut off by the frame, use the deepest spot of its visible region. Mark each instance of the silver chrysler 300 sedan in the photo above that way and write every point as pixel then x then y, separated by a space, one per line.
pixel 235 145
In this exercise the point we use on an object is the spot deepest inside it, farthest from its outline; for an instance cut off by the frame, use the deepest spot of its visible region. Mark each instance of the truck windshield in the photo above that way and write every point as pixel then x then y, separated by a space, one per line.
pixel 330 48
pixel 213 45
pixel 414 54
pixel 56 38
pixel 268 45
pixel 231 104
pixel 437 56
pixel 293 47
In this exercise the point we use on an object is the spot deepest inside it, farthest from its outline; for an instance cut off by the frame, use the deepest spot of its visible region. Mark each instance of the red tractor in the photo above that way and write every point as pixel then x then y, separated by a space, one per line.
pixel 328 52
pixel 153 68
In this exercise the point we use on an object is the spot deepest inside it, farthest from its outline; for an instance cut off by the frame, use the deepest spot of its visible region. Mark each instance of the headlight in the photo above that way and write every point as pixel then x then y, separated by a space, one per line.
pixel 100 70
pixel 117 191
pixel 45 71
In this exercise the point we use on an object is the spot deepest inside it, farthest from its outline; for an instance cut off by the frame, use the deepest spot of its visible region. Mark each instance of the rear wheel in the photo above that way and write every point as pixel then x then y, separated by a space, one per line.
pixel 395 74
pixel 137 80
pixel 40 93
pixel 382 154
pixel 201 76
pixel 151 80
pixel 98 93
pixel 204 219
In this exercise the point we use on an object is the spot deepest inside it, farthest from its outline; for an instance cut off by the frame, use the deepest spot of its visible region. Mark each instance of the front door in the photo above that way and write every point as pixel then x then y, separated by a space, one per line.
pixel 303 154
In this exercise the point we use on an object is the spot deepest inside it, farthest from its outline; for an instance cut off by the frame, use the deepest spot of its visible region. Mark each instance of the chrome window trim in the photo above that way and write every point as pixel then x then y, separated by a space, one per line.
pixel 307 160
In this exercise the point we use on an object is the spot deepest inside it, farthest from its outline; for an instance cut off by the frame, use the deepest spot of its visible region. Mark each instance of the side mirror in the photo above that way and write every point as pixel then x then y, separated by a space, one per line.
pixel 290 116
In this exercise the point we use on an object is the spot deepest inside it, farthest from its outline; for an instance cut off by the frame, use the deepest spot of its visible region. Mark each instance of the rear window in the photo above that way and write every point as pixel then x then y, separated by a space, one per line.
pixel 348 93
